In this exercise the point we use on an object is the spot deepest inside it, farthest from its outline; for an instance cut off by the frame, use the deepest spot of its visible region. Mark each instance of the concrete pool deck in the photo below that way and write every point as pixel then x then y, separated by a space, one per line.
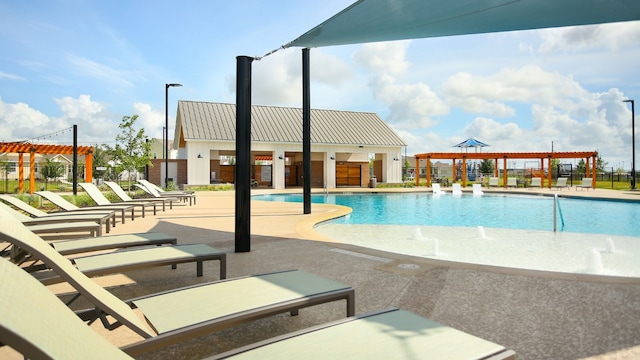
pixel 540 315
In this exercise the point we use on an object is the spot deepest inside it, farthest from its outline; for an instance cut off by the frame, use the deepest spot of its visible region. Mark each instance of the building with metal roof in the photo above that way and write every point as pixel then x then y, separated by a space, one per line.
pixel 341 144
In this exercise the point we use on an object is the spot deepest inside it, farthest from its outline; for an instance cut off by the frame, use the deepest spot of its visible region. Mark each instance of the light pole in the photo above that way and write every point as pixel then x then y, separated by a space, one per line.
pixel 166 132
pixel 633 145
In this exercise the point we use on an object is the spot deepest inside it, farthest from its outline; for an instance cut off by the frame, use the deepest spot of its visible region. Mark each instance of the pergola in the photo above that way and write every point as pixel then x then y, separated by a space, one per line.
pixel 589 156
pixel 22 148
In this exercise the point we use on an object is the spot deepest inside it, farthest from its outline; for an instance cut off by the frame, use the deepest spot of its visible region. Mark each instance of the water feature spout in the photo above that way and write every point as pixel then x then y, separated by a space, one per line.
pixel 417 234
pixel 611 247
pixel 594 262
pixel 481 233
pixel 436 247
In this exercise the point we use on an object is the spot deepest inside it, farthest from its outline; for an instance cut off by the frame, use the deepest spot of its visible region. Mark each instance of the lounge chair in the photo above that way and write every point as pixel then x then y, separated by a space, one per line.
pixel 387 334
pixel 494 182
pixel 184 195
pixel 587 183
pixel 561 183
pixel 60 202
pixel 107 218
pixel 57 224
pixel 126 198
pixel 512 182
pixel 118 261
pixel 477 189
pixel 99 198
pixel 536 182
pixel 456 190
pixel 230 302
pixel 76 246
pixel 436 189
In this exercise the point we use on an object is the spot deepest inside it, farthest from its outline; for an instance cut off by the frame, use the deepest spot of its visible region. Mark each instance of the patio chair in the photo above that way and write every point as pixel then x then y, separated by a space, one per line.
pixel 114 262
pixel 184 195
pixel 51 226
pixel 456 190
pixel 561 183
pixel 231 302
pixel 477 189
pixel 126 198
pixel 60 202
pixel 107 218
pixel 587 183
pixel 536 182
pixel 494 182
pixel 436 189
pixel 99 198
pixel 512 182
pixel 386 334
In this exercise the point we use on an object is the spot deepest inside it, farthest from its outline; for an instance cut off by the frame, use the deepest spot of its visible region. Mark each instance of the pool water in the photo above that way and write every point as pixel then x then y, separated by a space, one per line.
pixel 598 237
pixel 491 211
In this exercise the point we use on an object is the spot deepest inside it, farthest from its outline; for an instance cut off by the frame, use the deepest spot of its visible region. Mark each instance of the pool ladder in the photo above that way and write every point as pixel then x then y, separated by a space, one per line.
pixel 556 204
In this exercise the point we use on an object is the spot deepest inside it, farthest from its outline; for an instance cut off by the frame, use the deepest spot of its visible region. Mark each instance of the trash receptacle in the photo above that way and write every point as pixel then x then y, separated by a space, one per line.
pixel 373 182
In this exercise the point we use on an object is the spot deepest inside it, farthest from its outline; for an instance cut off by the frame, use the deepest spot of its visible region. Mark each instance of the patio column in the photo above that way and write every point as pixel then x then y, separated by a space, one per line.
pixel 21 172
pixel 243 155
pixel 464 171
pixel 428 172
pixel 504 172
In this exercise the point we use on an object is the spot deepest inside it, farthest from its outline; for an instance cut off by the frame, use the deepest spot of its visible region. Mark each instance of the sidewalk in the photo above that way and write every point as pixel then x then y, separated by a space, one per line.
pixel 538 317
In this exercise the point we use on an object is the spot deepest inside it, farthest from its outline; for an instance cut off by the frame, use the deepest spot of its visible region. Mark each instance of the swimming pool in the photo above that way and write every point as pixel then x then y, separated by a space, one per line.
pixel 513 231
pixel 491 211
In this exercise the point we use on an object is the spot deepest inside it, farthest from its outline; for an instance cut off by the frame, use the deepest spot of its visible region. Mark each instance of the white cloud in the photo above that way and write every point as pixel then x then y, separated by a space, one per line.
pixel 4 75
pixel 277 79
pixel 152 121
pixel 410 105
pixel 611 36
pixel 384 57
pixel 20 122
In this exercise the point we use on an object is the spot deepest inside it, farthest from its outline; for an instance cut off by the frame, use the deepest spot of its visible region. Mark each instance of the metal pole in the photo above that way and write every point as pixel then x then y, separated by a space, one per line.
pixel 633 144
pixel 306 130
pixel 166 132
pixel 166 135
pixel 243 155
pixel 75 160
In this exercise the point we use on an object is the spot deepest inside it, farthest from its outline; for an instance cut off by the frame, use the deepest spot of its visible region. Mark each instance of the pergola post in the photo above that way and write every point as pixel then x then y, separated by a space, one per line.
pixel 243 155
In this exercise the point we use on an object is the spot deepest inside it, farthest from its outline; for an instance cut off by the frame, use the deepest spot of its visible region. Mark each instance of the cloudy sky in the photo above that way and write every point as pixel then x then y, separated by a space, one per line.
pixel 66 62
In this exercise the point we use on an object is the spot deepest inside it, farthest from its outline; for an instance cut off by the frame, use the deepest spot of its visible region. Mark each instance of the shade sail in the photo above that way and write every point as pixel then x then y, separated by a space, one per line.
pixel 385 20
pixel 471 142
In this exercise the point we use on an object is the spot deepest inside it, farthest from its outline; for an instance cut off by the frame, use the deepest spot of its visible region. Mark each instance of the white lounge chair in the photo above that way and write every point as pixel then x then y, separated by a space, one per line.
pixel 561 183
pixel 587 183
pixel 536 182
pixel 99 198
pixel 494 182
pixel 477 189
pixel 456 190
pixel 436 189
pixel 512 182
pixel 126 198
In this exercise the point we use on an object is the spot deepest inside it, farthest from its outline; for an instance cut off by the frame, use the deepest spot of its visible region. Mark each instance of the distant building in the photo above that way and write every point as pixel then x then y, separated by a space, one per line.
pixel 342 143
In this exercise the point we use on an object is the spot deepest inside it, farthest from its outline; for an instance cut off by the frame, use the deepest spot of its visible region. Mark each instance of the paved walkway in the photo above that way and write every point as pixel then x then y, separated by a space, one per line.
pixel 539 316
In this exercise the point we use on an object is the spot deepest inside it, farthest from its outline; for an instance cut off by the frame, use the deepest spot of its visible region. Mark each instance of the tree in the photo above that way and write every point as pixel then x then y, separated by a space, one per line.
pixel 486 166
pixel 100 160
pixel 51 170
pixel 133 151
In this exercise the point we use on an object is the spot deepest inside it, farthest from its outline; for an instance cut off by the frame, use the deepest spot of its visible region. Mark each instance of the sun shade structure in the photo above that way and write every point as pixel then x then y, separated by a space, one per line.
pixel 471 143
pixel 385 20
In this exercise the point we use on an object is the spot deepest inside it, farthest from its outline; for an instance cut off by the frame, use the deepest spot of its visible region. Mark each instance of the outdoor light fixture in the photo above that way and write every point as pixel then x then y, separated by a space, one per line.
pixel 332 157
pixel 633 145
pixel 199 156
pixel 166 132
pixel 281 157
pixel 395 158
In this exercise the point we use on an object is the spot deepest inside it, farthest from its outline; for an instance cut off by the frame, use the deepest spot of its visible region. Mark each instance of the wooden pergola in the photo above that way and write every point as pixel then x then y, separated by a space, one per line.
pixel 589 156
pixel 32 149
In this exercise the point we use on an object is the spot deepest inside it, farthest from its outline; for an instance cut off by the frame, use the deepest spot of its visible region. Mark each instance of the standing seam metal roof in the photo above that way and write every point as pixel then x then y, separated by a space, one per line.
pixel 216 121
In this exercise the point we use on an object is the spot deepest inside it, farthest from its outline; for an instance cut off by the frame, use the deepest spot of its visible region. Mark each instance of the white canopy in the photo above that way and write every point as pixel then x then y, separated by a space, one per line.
pixel 384 20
